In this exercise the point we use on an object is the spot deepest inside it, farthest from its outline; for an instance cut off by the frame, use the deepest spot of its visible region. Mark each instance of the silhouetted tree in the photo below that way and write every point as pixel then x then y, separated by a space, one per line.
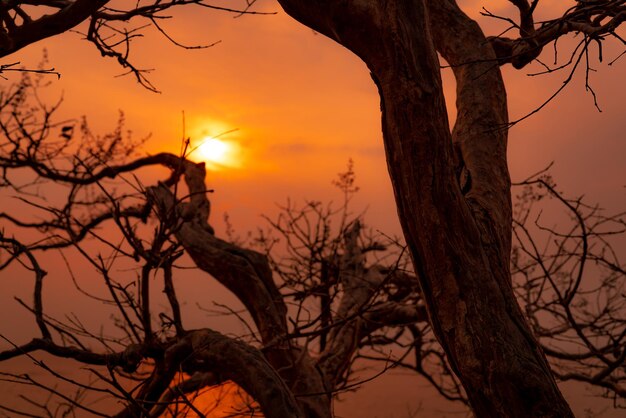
pixel 452 187
pixel 321 291
pixel 291 363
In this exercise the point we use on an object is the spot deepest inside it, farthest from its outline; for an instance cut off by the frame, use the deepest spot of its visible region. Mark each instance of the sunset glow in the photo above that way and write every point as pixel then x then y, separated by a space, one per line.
pixel 273 111
pixel 217 152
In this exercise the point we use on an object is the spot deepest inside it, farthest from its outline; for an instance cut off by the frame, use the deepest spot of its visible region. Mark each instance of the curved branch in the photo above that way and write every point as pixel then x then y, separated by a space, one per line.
pixel 244 272
pixel 247 274
pixel 128 359
pixel 596 19
pixel 227 359
pixel 31 31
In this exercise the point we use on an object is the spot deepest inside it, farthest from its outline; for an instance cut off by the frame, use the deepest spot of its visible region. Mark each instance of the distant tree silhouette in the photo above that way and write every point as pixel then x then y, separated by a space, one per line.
pixel 452 187
pixel 322 292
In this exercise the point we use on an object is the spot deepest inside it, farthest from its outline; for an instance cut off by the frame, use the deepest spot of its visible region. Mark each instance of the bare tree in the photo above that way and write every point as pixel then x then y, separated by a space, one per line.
pixel 307 323
pixel 452 187
pixel 571 283
pixel 322 291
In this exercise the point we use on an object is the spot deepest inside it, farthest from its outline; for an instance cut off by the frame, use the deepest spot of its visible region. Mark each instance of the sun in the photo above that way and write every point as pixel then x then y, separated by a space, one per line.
pixel 214 150
pixel 217 152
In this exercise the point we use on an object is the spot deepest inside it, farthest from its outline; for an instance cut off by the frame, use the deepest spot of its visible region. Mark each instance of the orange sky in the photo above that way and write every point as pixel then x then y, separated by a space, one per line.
pixel 303 106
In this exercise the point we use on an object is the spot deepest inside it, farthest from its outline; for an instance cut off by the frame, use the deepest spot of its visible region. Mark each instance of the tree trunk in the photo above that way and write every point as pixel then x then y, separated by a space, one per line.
pixel 459 237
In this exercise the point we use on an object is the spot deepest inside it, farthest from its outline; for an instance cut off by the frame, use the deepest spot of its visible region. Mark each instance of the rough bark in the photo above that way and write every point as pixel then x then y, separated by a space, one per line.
pixel 459 239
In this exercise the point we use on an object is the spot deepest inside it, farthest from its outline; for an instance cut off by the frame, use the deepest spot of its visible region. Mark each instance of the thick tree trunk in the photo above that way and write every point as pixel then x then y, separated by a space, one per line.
pixel 459 237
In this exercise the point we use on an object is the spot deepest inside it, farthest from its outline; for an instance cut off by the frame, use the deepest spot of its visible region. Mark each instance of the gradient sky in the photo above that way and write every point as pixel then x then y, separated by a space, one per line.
pixel 304 105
